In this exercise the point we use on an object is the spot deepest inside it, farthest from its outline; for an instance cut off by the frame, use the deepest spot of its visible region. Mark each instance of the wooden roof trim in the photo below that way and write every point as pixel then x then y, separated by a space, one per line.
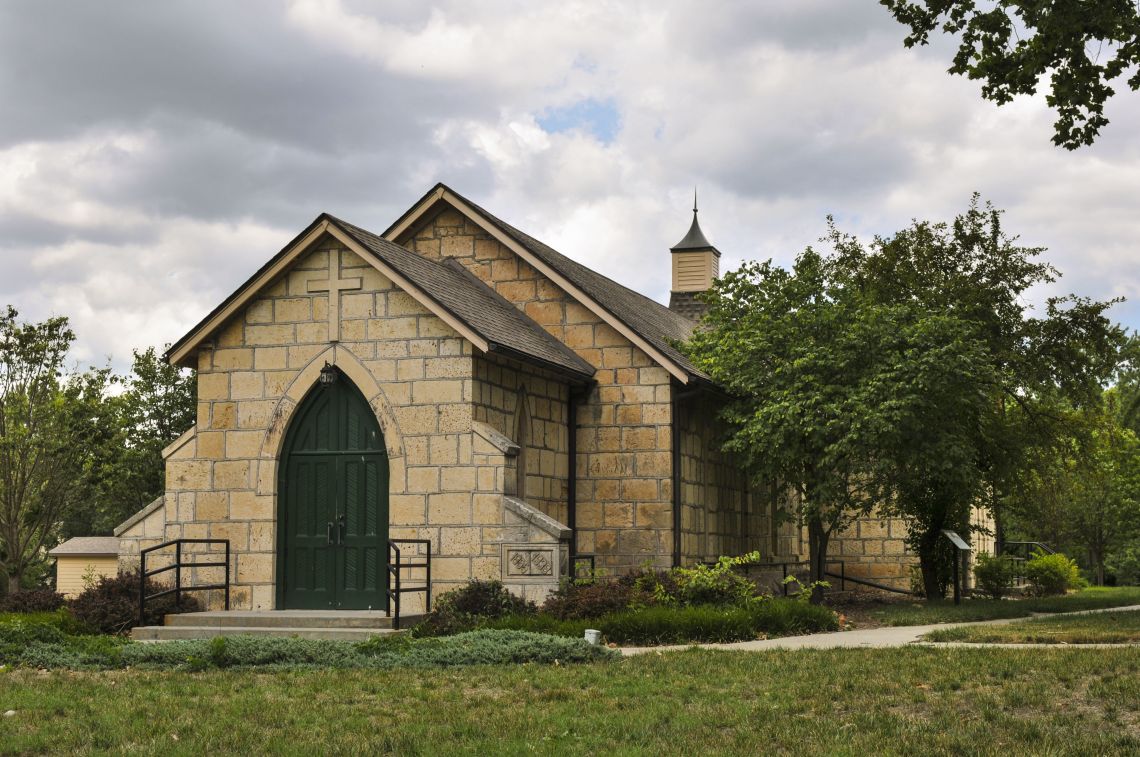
pixel 244 295
pixel 266 277
pixel 412 218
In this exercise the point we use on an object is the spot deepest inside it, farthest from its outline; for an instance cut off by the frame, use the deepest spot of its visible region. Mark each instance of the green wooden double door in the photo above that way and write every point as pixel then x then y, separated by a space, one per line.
pixel 332 525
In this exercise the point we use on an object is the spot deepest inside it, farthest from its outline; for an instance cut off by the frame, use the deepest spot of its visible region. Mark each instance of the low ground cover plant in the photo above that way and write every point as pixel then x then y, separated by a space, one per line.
pixel 46 641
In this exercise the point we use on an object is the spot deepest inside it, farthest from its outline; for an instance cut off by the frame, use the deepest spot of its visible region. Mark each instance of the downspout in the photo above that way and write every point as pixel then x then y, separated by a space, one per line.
pixel 572 479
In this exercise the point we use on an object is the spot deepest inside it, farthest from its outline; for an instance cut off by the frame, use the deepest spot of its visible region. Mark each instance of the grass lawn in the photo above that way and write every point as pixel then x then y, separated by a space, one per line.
pixel 919 613
pixel 858 701
pixel 1101 628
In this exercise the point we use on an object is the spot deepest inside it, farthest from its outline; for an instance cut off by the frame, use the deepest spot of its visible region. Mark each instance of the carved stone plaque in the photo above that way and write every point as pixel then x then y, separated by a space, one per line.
pixel 536 561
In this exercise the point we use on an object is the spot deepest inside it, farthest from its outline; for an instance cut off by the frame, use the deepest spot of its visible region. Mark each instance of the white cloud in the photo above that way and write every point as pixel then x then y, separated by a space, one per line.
pixel 135 197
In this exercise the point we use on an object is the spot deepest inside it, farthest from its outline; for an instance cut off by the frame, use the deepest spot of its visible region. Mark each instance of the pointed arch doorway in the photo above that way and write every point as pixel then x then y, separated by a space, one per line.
pixel 332 504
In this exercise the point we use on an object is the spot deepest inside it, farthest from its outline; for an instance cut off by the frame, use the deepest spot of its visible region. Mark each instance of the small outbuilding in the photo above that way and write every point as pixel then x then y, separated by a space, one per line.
pixel 83 556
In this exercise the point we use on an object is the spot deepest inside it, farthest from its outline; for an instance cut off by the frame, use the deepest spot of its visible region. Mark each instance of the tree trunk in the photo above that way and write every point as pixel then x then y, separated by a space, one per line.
pixel 928 563
pixel 13 583
pixel 818 537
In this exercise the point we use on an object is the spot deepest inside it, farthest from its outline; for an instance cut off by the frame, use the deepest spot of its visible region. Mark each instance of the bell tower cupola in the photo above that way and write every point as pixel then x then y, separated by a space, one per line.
pixel 695 264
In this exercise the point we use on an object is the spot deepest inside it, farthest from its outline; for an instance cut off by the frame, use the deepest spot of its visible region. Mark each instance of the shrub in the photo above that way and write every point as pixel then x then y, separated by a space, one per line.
pixel 995 574
pixel 32 600
pixel 1052 574
pixel 17 634
pixel 717 584
pixel 666 624
pixel 574 601
pixel 465 608
pixel 676 625
pixel 111 605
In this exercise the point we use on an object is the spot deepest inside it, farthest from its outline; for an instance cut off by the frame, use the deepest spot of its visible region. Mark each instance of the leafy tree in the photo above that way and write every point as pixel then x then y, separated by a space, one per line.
pixel 38 439
pixel 791 350
pixel 128 432
pixel 977 428
pixel 886 374
pixel 1011 44
pixel 1083 494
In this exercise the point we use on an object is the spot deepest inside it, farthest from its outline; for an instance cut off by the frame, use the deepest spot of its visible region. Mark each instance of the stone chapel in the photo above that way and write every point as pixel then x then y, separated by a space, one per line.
pixel 456 380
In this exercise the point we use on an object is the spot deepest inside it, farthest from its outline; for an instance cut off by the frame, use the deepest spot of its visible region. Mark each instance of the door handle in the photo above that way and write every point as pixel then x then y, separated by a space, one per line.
pixel 329 533
pixel 342 530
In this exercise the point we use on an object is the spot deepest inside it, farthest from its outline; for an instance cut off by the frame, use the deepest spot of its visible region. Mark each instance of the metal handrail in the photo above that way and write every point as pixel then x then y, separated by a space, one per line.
pixel 1029 547
pixel 177 567
pixel 397 565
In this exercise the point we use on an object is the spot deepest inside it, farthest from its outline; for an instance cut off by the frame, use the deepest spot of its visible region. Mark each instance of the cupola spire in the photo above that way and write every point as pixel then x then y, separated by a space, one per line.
pixel 696 262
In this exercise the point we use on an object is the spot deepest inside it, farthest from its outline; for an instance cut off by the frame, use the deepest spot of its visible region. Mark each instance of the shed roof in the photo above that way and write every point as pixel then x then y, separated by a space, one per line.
pixel 88 546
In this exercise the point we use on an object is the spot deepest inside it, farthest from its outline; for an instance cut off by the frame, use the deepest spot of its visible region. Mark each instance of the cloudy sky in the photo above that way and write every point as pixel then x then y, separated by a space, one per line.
pixel 153 155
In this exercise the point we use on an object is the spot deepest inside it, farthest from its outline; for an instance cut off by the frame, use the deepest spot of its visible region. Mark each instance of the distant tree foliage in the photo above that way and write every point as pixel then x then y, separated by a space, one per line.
pixel 41 435
pixel 79 450
pixel 1010 45
pixel 157 403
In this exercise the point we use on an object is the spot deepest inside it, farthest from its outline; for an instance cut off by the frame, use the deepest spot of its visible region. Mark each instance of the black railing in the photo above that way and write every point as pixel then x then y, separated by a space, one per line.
pixel 177 567
pixel 844 579
pixel 1024 549
pixel 1019 553
pixel 396 565
pixel 583 568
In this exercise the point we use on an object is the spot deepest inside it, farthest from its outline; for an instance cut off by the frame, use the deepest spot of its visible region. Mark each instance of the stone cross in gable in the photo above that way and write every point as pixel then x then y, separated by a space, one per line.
pixel 334 285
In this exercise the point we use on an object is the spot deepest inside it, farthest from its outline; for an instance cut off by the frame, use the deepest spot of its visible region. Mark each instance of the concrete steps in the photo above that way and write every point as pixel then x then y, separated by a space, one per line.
pixel 345 625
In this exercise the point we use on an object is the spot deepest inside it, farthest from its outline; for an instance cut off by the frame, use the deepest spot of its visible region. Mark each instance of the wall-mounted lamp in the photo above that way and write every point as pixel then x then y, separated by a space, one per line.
pixel 328 375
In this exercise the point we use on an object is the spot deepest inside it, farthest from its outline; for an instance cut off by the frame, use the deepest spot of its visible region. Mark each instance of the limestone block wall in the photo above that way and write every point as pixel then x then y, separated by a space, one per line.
pixel 720 515
pixel 415 372
pixel 512 397
pixel 624 440
pixel 874 547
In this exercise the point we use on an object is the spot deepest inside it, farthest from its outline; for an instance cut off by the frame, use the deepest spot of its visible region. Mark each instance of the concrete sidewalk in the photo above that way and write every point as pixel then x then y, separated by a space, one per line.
pixel 890 636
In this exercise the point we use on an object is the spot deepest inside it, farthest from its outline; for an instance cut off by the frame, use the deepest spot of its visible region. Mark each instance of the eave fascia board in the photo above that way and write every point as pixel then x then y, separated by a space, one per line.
pixel 188 344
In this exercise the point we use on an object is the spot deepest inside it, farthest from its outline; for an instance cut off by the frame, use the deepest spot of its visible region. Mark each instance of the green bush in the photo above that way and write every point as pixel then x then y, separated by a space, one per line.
pixel 995 574
pixel 666 625
pixel 718 584
pixel 676 625
pixel 1052 574
pixel 111 605
pixel 32 600
pixel 469 606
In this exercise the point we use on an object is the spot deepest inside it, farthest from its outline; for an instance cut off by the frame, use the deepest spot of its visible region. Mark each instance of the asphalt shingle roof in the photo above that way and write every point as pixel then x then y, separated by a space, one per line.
pixel 649 319
pixel 88 545
pixel 478 306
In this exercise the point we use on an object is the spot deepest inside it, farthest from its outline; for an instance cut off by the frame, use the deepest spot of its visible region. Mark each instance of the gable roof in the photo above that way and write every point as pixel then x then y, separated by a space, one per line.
pixel 646 322
pixel 505 328
pixel 476 311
